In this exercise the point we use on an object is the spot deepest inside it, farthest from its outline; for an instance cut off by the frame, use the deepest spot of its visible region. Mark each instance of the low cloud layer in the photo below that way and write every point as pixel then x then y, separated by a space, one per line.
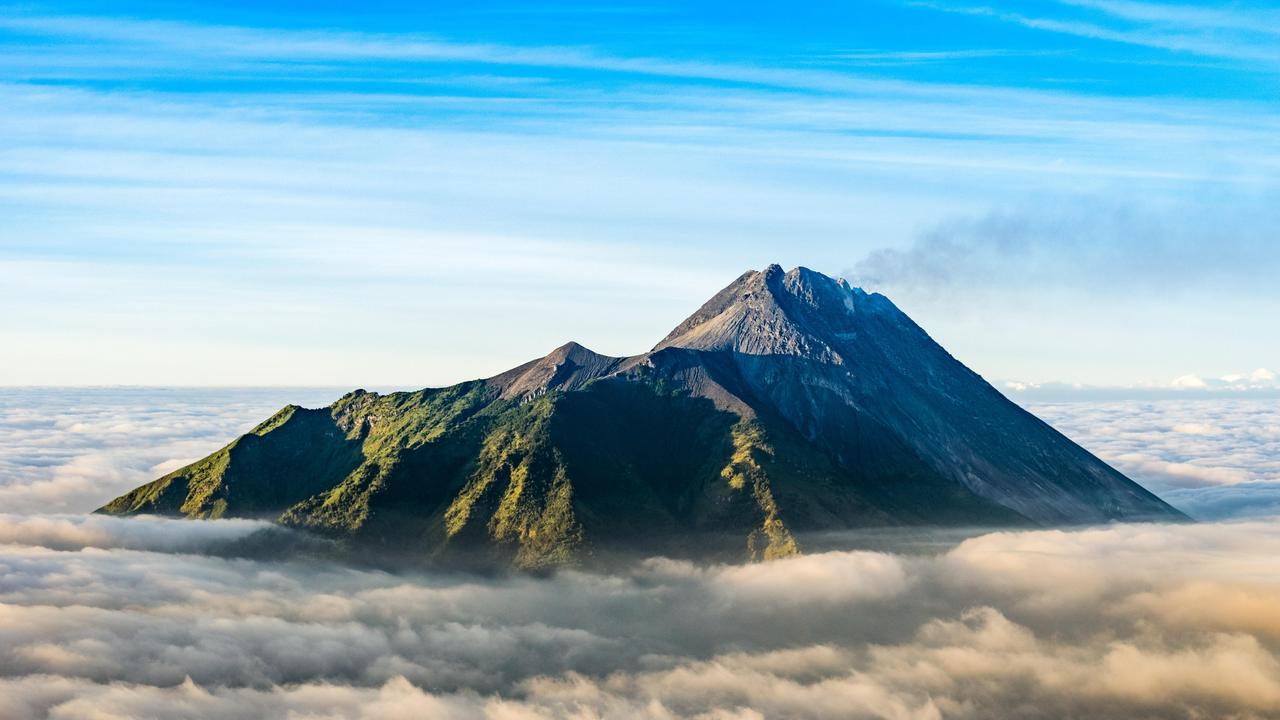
pixel 1126 621
pixel 1213 458
pixel 77 532
pixel 71 450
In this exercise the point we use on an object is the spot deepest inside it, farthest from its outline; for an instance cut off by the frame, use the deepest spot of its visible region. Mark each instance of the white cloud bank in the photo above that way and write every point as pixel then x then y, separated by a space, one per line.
pixel 1126 621
pixel 71 450
pixel 77 532
pixel 1212 457
pixel 1188 382
pixel 1259 379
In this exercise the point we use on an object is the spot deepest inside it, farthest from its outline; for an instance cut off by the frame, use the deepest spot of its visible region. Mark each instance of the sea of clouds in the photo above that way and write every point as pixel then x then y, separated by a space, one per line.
pixel 1214 458
pixel 105 617
pixel 73 449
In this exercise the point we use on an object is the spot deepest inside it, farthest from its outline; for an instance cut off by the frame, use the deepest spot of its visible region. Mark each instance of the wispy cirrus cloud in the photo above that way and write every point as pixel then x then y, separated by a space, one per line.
pixel 1228 31
pixel 179 40
pixel 1261 20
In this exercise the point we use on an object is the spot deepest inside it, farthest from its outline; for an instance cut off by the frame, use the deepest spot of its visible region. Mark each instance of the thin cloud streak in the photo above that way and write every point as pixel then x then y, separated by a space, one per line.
pixel 240 42
pixel 1189 17
pixel 1173 28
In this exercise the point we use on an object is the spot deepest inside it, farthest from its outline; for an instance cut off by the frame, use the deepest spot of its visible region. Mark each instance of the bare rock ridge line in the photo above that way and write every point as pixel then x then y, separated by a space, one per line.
pixel 789 402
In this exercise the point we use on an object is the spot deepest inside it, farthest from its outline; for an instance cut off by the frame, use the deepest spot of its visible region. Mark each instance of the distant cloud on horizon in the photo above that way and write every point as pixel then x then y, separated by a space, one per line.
pixel 1260 381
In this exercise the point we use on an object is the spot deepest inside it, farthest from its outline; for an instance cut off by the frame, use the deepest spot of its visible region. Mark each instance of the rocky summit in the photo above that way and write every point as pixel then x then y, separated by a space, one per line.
pixel 790 402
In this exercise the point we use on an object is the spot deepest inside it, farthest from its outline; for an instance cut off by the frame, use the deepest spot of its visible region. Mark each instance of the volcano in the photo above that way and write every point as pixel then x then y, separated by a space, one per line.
pixel 790 402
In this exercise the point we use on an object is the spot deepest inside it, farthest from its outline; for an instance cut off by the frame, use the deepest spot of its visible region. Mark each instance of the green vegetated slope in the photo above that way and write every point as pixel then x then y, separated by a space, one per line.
pixel 293 455
pixel 630 463
pixel 623 463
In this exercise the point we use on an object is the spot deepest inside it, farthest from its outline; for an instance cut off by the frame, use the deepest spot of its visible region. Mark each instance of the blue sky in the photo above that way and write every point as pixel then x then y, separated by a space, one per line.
pixel 258 193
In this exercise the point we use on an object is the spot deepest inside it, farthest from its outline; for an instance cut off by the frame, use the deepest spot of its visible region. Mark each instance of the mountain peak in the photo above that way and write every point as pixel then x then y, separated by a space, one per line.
pixel 568 367
pixel 572 352
pixel 771 312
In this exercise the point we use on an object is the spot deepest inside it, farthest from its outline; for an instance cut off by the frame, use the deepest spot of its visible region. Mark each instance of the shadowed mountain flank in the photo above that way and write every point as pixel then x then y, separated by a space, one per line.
pixel 790 402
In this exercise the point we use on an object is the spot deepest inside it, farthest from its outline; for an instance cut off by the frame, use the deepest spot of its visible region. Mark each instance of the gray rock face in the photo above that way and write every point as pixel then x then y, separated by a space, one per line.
pixel 568 367
pixel 828 357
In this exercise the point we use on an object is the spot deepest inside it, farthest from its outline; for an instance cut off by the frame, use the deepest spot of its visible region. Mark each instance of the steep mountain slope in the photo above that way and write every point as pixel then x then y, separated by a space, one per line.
pixel 789 402
pixel 822 353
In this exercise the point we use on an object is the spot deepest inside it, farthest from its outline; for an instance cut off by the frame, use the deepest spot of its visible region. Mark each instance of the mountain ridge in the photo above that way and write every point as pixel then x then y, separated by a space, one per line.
pixel 788 402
